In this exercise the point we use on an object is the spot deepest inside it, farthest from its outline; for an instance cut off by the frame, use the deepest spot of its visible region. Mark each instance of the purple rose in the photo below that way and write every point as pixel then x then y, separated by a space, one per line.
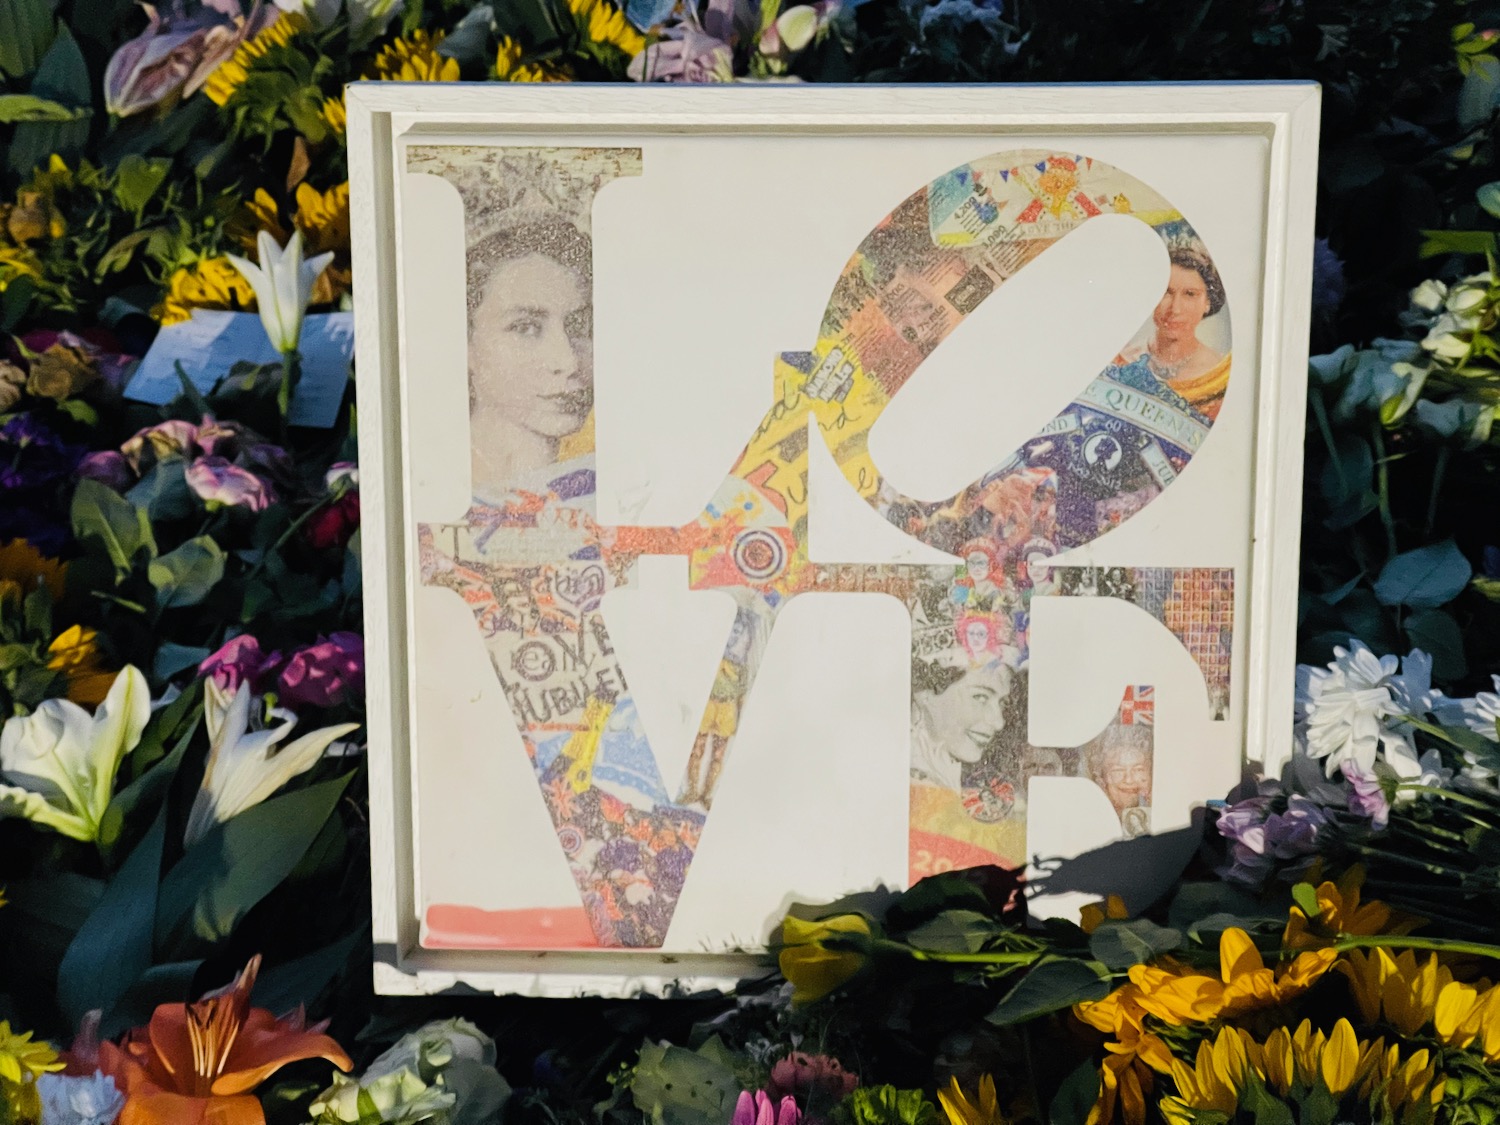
pixel 219 483
pixel 324 674
pixel 106 467
pixel 238 661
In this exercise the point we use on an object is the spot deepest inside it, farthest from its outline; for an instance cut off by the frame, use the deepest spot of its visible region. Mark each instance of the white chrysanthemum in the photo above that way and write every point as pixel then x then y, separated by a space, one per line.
pixel 1345 708
pixel 73 1100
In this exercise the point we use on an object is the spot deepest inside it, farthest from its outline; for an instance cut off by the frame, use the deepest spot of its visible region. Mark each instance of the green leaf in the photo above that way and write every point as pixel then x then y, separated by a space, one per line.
pixel 62 76
pixel 1435 632
pixel 1477 97
pixel 281 988
pixel 26 30
pixel 184 577
pixel 1050 987
pixel 1488 196
pixel 955 931
pixel 1120 944
pixel 16 299
pixel 171 983
pixel 114 945
pixel 1425 578
pixel 28 107
pixel 1076 1097
pixel 1437 242
pixel 1266 1106
pixel 124 530
pixel 145 794
pixel 172 658
pixel 239 862
pixel 1305 895
pixel 136 181
pixel 674 1086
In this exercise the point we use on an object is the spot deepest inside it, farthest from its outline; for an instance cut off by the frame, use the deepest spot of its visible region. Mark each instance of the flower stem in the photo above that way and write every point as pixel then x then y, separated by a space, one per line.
pixel 1397 941
pixel 1383 476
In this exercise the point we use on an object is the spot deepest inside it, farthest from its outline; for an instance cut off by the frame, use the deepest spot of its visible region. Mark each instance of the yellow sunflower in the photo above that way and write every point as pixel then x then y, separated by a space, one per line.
pixel 414 58
pixel 599 21
pixel 509 66
pixel 232 72
pixel 212 283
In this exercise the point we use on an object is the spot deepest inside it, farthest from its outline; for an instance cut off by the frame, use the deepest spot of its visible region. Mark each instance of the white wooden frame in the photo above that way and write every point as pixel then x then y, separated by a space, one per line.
pixel 1286 114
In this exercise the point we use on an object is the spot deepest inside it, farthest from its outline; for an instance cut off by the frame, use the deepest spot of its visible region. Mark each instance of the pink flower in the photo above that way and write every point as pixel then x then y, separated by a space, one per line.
pixel 805 1076
pixel 177 52
pixel 758 1110
pixel 106 467
pixel 219 439
pixel 237 661
pixel 684 54
pixel 324 674
pixel 1366 795
pixel 344 473
pixel 218 483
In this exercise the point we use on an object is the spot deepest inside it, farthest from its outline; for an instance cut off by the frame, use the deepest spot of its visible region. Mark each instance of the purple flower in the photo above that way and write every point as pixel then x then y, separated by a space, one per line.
pixel 324 674
pixel 26 431
pixel 270 460
pixel 177 52
pixel 218 483
pixel 106 467
pixel 758 1109
pixel 1264 837
pixel 35 465
pixel 1328 279
pixel 341 472
pixel 237 661
pixel 1367 795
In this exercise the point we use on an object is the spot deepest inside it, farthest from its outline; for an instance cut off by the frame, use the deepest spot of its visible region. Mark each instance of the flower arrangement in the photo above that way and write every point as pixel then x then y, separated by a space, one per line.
pixel 182 666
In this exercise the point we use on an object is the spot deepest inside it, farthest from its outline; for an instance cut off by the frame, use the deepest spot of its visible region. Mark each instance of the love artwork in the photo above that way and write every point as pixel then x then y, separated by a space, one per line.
pixel 533 563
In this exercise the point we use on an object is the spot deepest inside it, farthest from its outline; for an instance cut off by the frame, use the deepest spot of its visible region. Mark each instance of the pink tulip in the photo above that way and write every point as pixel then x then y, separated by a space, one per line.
pixel 219 483
pixel 760 1110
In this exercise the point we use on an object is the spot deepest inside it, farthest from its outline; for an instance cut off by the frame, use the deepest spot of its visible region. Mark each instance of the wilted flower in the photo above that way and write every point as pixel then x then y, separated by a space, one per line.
pixel 58 764
pixel 79 1099
pixel 244 765
pixel 172 438
pixel 239 661
pixel 219 483
pixel 326 673
pixel 283 285
pixel 177 52
pixel 61 372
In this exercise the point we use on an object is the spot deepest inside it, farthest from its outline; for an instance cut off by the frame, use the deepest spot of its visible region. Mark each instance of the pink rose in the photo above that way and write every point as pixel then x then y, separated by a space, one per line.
pixel 218 483
pixel 237 661
pixel 219 439
pixel 324 674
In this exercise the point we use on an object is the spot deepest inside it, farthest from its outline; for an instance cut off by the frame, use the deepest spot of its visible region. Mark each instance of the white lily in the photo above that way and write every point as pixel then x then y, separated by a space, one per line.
pixel 283 286
pixel 244 765
pixel 58 764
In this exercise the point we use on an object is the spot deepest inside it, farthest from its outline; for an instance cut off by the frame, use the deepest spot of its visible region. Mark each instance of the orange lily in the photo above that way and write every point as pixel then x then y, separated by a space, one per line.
pixel 197 1063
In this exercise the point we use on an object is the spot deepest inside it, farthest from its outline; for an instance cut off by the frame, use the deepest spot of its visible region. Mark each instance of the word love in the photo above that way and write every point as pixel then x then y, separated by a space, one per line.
pixel 533 563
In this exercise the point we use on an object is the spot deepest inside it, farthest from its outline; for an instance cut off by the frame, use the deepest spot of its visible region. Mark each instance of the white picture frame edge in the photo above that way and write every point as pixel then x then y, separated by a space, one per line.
pixel 1285 113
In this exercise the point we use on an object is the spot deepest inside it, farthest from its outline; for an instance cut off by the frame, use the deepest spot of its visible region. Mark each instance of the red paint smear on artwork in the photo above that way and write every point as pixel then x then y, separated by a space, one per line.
pixel 469 927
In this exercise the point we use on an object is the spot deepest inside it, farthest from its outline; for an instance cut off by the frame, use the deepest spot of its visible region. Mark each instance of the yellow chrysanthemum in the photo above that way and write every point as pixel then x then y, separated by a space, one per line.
pixel 599 21
pixel 323 217
pixel 230 75
pixel 21 1059
pixel 961 1111
pixel 414 58
pixel 212 283
pixel 335 115
pixel 1341 912
pixel 510 68
pixel 75 653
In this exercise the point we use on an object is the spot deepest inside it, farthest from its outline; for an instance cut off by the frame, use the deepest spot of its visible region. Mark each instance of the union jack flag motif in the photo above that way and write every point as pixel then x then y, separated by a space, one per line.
pixel 1138 706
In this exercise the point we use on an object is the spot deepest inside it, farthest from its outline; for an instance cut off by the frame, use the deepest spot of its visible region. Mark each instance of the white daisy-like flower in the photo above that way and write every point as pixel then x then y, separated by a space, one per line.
pixel 1344 708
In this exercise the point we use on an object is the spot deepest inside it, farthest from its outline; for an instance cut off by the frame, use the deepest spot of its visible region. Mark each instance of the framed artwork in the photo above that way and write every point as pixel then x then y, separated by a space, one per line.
pixel 776 492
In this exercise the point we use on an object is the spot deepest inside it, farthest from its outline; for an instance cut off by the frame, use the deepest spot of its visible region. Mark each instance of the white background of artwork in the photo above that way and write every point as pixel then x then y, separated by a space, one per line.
pixel 721 254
